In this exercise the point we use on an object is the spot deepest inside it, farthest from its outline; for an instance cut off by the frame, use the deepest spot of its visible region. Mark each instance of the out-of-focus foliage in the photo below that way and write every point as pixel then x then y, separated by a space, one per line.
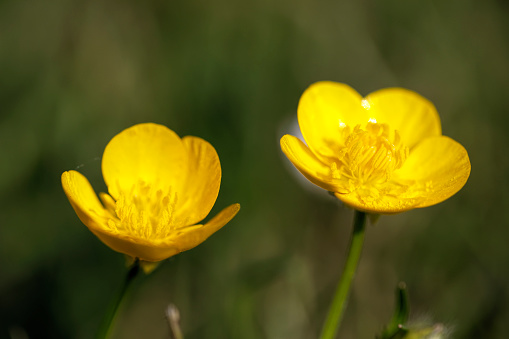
pixel 75 73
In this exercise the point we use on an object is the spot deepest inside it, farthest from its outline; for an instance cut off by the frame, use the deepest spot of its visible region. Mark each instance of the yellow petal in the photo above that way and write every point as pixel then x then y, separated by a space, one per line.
pixel 192 236
pixel 414 116
pixel 83 199
pixel 203 181
pixel 136 248
pixel 436 169
pixel 386 204
pixel 160 249
pixel 150 153
pixel 440 167
pixel 90 211
pixel 307 163
pixel 108 202
pixel 324 108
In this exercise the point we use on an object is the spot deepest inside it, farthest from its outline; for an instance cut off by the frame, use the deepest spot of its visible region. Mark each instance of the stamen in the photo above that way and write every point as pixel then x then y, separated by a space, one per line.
pixel 367 158
pixel 145 213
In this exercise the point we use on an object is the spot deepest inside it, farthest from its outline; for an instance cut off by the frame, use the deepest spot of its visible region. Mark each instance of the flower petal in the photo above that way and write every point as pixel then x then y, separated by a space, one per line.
pixel 157 250
pixel 436 169
pixel 386 204
pixel 323 109
pixel 136 248
pixel 203 181
pixel 440 167
pixel 90 211
pixel 192 236
pixel 412 115
pixel 83 199
pixel 146 152
pixel 307 163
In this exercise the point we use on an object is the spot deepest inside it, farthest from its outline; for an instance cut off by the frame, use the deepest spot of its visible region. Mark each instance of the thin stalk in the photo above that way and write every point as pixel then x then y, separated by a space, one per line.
pixel 111 315
pixel 173 317
pixel 339 302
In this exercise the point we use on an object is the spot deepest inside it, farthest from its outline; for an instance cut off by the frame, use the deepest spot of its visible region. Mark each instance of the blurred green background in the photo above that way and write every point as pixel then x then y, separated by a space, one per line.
pixel 75 73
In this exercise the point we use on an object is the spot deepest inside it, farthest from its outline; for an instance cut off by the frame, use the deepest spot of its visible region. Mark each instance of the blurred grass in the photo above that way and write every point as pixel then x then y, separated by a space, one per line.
pixel 75 73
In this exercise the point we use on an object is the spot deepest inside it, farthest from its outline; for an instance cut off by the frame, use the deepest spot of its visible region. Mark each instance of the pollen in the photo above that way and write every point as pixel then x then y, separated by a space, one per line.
pixel 367 158
pixel 145 212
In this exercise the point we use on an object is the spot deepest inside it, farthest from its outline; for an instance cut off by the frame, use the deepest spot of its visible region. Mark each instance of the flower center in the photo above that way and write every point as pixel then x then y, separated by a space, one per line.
pixel 367 158
pixel 144 212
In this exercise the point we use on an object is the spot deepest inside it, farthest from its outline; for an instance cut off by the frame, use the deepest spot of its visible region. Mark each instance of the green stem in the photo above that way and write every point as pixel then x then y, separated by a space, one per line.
pixel 338 306
pixel 110 317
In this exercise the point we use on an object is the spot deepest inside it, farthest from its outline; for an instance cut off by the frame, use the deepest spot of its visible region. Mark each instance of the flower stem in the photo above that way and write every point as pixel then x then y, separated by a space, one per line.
pixel 338 306
pixel 111 315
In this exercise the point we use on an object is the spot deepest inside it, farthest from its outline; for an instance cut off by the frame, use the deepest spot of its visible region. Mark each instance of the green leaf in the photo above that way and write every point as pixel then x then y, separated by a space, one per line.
pixel 396 328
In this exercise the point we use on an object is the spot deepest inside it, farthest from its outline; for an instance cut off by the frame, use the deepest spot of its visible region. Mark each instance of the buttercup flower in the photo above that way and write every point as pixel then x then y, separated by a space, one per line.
pixel 160 186
pixel 383 154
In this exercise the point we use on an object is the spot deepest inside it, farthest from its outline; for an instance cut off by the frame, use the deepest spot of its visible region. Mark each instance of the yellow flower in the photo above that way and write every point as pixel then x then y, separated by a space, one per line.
pixel 159 187
pixel 383 154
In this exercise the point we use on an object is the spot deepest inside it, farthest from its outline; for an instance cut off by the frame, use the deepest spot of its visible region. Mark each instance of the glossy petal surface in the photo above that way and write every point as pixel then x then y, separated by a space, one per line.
pixel 202 187
pixel 387 204
pixel 323 109
pixel 439 166
pixel 192 236
pixel 413 116
pixel 307 163
pixel 148 153
pixel 83 199
pixel 181 240
pixel 136 248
